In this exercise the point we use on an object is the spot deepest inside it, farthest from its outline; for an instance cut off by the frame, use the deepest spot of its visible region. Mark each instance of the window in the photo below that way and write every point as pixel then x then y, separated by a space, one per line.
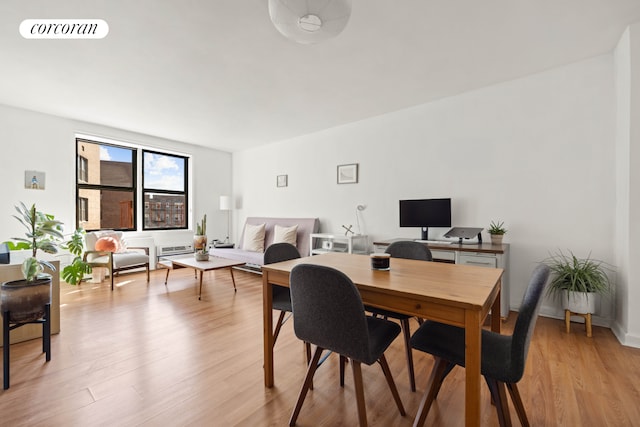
pixel 83 211
pixel 164 190
pixel 83 169
pixel 106 186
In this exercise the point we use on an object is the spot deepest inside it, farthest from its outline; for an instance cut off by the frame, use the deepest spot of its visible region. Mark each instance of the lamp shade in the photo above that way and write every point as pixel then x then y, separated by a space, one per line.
pixel 225 203
pixel 308 22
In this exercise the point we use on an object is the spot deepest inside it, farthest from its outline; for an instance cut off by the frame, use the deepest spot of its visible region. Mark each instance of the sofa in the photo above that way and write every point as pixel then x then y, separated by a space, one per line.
pixel 255 259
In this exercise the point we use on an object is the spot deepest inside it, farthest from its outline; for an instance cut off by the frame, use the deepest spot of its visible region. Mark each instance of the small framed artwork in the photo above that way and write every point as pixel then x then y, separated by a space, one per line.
pixel 34 180
pixel 348 174
pixel 281 181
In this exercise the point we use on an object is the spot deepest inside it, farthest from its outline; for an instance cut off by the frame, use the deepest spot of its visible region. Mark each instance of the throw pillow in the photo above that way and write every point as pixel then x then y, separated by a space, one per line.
pixel 253 238
pixel 116 243
pixel 285 234
pixel 108 244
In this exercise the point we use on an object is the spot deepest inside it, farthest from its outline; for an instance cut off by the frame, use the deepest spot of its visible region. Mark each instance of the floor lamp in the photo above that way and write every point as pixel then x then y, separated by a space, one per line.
pixel 225 205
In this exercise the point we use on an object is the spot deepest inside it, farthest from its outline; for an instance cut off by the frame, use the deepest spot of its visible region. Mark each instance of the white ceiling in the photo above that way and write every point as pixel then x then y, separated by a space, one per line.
pixel 217 73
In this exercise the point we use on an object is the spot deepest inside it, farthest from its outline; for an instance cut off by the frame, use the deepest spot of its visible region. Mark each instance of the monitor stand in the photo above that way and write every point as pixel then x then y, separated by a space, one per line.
pixel 425 233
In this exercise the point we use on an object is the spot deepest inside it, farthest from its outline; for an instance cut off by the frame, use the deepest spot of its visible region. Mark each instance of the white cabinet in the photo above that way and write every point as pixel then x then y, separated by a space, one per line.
pixel 324 242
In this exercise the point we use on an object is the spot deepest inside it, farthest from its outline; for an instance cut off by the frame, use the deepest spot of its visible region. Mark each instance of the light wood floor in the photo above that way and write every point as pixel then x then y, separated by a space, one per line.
pixel 146 354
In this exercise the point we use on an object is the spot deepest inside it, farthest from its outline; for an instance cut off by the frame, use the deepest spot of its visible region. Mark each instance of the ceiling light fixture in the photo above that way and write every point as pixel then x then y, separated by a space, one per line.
pixel 310 21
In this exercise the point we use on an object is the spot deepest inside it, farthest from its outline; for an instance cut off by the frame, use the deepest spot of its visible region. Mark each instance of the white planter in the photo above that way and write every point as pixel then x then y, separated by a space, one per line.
pixel 579 302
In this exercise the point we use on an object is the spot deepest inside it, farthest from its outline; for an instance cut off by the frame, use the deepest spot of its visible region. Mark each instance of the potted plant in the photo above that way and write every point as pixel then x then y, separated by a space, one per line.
pixel 200 238
pixel 25 299
pixel 75 272
pixel 577 281
pixel 497 232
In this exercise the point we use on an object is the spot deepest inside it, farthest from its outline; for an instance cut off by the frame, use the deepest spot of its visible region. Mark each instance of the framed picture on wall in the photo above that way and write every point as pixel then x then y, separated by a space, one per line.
pixel 281 181
pixel 348 174
pixel 34 180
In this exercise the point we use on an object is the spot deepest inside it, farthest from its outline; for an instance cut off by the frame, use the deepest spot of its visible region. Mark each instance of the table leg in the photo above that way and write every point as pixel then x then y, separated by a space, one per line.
pixel 233 279
pixel 267 312
pixel 495 308
pixel 200 294
pixel 473 350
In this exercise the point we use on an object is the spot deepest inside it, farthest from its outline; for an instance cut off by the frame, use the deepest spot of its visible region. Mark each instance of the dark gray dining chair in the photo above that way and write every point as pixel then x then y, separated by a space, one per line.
pixel 408 250
pixel 503 356
pixel 328 312
pixel 279 252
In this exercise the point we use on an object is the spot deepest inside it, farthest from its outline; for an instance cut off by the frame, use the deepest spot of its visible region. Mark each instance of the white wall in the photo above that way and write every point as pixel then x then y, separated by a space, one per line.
pixel 33 141
pixel 537 152
pixel 627 67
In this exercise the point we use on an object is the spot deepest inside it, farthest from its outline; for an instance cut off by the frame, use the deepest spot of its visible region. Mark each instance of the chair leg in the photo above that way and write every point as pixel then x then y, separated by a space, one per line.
pixel 406 333
pixel 517 403
pixel 500 399
pixel 5 348
pixel 392 384
pixel 147 265
pixel 440 370
pixel 311 370
pixel 359 387
pixel 343 361
pixel 307 348
pixel 46 333
pixel 278 326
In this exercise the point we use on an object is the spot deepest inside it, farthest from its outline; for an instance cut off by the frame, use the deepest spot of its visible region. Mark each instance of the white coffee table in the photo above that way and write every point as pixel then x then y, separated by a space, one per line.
pixel 189 261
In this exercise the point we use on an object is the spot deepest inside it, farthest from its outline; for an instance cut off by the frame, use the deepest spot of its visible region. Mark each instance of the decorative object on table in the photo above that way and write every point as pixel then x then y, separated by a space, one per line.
pixel 348 229
pixel 348 174
pixel 497 231
pixel 225 205
pixel 202 255
pixel 578 282
pixel 74 273
pixel 34 180
pixel 29 300
pixel 282 180
pixel 380 261
pixel 359 208
pixel 308 22
pixel 200 238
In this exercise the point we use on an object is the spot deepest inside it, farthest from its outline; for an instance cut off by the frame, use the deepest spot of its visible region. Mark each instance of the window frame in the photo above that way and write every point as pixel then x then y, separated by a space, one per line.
pixel 100 187
pixel 158 209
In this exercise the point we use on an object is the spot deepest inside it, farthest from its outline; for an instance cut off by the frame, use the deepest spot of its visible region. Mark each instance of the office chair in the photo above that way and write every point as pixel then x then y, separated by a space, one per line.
pixel 503 356
pixel 408 250
pixel 328 312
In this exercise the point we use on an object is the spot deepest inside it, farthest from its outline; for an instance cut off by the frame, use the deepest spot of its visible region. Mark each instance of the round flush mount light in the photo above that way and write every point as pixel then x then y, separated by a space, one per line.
pixel 309 21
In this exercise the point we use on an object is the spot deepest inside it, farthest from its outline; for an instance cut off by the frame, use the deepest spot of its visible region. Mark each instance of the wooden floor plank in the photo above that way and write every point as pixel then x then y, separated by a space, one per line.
pixel 153 355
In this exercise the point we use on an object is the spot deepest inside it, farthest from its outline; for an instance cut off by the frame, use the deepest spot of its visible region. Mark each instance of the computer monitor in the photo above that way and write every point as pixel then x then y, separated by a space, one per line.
pixel 425 213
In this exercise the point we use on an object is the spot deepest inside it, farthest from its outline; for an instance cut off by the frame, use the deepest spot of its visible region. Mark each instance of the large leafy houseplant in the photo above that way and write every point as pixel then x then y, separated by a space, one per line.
pixel 43 232
pixel 75 272
pixel 26 299
pixel 576 278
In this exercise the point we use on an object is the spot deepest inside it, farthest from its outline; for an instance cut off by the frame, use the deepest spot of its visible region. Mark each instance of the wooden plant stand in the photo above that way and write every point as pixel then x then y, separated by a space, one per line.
pixel 587 320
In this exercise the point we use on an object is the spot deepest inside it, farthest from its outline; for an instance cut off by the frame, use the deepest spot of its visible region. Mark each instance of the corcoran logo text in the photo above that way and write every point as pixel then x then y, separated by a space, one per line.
pixel 64 29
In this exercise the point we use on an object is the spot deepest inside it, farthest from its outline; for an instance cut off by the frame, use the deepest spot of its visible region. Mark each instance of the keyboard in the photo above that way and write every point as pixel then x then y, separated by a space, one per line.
pixel 434 242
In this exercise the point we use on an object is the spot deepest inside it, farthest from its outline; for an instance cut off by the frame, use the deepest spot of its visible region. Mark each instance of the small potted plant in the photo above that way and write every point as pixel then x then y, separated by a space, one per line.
pixel 497 231
pixel 577 281
pixel 200 238
pixel 25 299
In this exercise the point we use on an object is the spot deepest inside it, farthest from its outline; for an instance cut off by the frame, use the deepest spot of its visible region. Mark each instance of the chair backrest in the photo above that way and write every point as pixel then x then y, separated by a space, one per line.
pixel 280 252
pixel 328 311
pixel 526 321
pixel 409 250
pixel 4 253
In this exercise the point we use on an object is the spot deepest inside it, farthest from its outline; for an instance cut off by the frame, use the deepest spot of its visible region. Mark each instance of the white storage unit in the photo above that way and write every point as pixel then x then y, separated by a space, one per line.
pixel 321 243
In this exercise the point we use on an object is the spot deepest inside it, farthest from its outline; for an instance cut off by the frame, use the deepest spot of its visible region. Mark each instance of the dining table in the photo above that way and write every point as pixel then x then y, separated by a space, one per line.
pixel 459 295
